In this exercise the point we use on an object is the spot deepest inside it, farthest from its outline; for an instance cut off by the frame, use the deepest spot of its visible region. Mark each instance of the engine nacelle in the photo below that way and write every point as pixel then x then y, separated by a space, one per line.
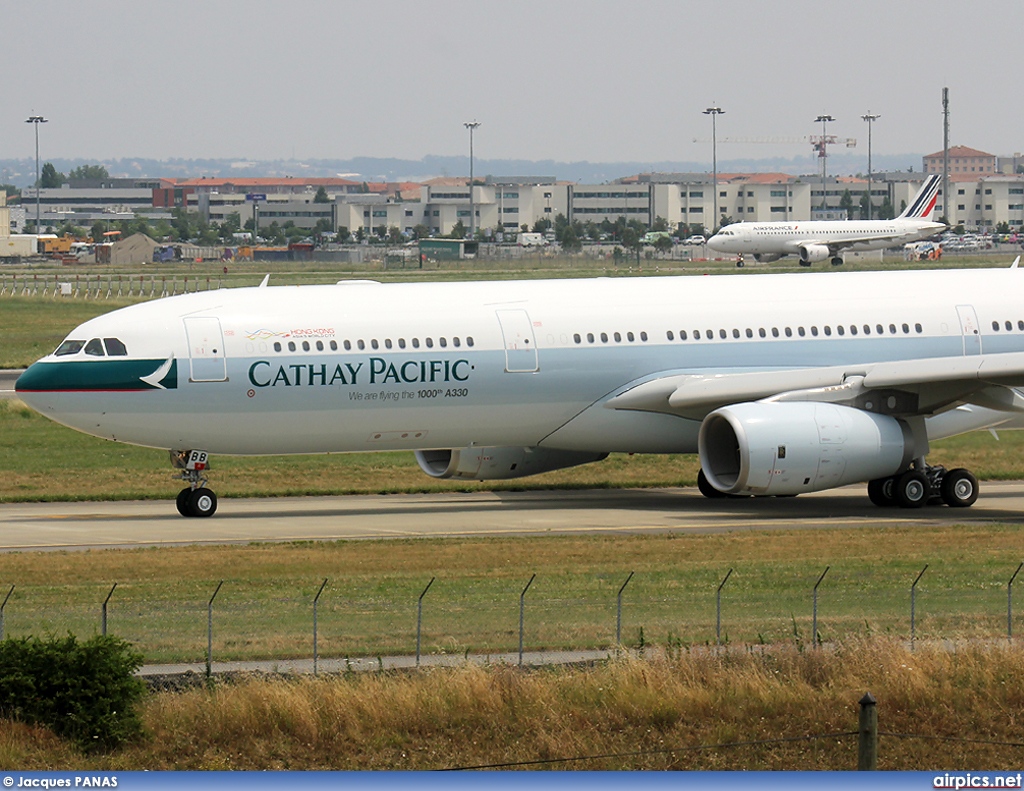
pixel 782 448
pixel 489 464
pixel 767 258
pixel 814 253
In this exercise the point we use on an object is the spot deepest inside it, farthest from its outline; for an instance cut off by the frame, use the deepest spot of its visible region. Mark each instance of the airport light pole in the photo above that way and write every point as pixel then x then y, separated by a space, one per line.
pixel 824 119
pixel 714 112
pixel 471 126
pixel 36 120
pixel 870 119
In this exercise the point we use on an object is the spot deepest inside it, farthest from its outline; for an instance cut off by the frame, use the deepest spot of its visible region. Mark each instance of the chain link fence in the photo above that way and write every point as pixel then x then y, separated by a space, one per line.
pixel 245 620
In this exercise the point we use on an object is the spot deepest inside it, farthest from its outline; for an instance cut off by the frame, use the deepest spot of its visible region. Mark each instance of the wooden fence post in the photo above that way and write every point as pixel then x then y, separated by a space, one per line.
pixel 867 742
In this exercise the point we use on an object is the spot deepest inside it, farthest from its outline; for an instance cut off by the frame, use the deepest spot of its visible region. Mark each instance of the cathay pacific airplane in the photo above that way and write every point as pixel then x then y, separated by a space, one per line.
pixel 783 383
pixel 818 240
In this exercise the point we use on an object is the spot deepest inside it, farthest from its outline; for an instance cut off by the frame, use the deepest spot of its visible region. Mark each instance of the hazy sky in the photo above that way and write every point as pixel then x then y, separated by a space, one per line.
pixel 569 80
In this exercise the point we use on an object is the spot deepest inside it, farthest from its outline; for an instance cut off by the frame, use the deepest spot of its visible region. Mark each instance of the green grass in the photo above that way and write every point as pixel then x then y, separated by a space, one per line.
pixel 264 609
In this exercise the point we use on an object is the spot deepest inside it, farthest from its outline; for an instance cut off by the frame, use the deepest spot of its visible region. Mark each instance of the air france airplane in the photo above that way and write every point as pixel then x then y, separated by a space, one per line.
pixel 783 383
pixel 819 240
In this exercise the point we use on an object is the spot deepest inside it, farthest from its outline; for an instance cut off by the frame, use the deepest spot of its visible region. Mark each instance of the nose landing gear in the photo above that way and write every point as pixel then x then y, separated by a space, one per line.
pixel 195 500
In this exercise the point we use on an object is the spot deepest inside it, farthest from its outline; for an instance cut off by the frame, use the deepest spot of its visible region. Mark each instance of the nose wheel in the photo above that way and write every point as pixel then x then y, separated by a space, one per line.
pixel 196 500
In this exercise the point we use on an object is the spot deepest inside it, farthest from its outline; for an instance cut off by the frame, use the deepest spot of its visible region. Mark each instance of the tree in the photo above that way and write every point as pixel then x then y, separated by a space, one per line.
pixel 12 192
pixel 846 204
pixel 395 235
pixel 343 234
pixel 659 224
pixel 321 196
pixel 865 203
pixel 458 231
pixel 541 225
pixel 50 178
pixel 89 172
pixel 885 211
pixel 420 231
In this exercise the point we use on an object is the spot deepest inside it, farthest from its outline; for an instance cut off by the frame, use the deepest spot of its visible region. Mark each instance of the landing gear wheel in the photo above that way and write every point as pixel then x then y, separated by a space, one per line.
pixel 182 502
pixel 706 488
pixel 912 489
pixel 837 261
pixel 202 502
pixel 959 488
pixel 882 492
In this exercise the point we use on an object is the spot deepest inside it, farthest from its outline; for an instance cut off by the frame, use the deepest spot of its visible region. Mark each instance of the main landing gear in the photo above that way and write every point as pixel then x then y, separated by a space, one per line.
pixel 195 499
pixel 917 486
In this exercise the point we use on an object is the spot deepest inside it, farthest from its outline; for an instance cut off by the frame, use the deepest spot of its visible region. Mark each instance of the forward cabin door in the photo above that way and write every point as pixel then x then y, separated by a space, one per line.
pixel 206 349
pixel 520 344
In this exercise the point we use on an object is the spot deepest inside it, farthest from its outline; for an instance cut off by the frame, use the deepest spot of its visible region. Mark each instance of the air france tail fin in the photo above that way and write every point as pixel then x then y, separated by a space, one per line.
pixel 924 202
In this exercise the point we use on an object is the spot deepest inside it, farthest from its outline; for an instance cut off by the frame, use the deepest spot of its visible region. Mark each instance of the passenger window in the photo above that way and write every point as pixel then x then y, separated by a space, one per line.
pixel 319 346
pixel 841 330
pixel 456 342
pixel 995 326
pixel 1009 327
pixel 918 328
pixel 305 346
pixel 576 337
pixel 387 343
pixel 334 346
pixel 442 342
pixel 775 332
pixel 789 332
pixel 429 342
pixel 469 340
pixel 94 348
pixel 115 348
pixel 415 343
pixel 277 346
pixel 291 346
pixel 828 330
pixel 721 334
pixel 892 329
pixel 735 333
pixel 401 343
pixel 631 337
pixel 801 331
pixel 374 344
pixel 361 344
pixel 750 333
pixel 604 337
pixel 853 329
pixel 590 337
pixel 643 336
pixel 682 335
pixel 906 329
pixel 696 334
pixel 762 333
pixel 348 346
pixel 69 347
pixel 670 336
pixel 618 337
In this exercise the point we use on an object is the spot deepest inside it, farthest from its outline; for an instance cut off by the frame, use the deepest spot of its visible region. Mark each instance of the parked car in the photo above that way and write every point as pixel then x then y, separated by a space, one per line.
pixel 696 240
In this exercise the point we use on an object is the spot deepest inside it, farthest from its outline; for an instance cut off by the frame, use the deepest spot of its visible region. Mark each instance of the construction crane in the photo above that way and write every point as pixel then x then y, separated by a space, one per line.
pixel 819 143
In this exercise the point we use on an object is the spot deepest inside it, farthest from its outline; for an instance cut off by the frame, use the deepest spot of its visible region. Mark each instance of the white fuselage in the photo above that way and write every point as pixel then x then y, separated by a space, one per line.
pixel 361 367
pixel 787 238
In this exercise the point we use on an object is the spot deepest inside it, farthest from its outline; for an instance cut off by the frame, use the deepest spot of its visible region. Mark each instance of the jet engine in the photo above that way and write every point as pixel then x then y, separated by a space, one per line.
pixel 814 253
pixel 488 464
pixel 786 448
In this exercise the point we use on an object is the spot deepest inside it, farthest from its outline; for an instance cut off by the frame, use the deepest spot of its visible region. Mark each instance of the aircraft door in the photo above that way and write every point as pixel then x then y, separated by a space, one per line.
pixel 970 328
pixel 520 344
pixel 206 349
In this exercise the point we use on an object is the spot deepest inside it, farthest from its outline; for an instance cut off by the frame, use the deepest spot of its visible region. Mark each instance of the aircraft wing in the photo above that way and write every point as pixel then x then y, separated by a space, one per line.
pixel 900 388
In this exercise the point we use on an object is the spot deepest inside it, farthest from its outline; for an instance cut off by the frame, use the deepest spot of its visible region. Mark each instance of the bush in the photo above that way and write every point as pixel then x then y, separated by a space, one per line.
pixel 86 691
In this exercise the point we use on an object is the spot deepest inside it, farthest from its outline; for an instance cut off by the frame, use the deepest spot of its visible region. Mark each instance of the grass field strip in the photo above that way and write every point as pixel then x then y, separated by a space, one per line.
pixel 759 603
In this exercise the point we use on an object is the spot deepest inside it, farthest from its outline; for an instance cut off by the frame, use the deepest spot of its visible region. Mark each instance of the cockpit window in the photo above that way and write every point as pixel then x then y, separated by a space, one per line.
pixel 115 348
pixel 69 347
pixel 94 348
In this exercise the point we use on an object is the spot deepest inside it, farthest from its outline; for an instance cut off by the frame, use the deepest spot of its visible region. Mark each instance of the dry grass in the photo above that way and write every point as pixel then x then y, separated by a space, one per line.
pixel 638 713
